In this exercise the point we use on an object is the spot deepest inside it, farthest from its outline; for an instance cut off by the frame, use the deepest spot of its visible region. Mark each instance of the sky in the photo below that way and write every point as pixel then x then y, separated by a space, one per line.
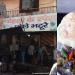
pixel 65 6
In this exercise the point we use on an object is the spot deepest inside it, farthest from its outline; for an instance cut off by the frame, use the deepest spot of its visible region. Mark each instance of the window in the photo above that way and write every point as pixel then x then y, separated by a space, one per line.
pixel 29 5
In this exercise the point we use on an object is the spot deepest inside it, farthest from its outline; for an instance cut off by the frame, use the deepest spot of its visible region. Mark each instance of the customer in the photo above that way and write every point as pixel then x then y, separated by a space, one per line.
pixel 14 47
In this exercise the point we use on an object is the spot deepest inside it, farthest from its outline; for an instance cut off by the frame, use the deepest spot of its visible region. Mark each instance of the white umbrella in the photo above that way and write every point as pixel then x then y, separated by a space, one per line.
pixel 66 30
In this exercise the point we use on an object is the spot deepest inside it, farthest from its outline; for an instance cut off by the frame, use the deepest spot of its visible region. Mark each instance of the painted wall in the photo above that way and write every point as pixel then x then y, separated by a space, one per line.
pixel 11 4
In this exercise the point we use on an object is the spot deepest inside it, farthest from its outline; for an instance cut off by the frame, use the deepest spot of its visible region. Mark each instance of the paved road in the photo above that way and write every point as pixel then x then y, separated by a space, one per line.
pixel 14 74
pixel 23 74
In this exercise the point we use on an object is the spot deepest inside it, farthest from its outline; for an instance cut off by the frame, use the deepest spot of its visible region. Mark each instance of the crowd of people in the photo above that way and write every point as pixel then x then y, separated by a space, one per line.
pixel 23 53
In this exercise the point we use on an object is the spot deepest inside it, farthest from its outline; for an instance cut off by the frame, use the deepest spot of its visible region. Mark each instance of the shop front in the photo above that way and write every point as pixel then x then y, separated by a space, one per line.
pixel 31 41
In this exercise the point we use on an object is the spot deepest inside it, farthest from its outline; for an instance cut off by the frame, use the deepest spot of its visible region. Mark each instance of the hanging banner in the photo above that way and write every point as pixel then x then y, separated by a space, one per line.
pixel 41 22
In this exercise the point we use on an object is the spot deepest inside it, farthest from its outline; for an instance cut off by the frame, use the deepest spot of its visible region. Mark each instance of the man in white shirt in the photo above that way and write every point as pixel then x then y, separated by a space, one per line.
pixel 31 53
pixel 57 67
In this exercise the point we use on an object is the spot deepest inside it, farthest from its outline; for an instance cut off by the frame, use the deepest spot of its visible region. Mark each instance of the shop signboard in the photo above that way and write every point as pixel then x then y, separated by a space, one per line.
pixel 1 22
pixel 32 23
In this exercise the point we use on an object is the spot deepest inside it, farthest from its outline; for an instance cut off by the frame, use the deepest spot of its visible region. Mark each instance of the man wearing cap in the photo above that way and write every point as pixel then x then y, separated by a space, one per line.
pixel 57 67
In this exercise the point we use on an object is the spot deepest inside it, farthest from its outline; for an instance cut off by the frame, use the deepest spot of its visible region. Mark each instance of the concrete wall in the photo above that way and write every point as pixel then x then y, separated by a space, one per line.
pixel 14 4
